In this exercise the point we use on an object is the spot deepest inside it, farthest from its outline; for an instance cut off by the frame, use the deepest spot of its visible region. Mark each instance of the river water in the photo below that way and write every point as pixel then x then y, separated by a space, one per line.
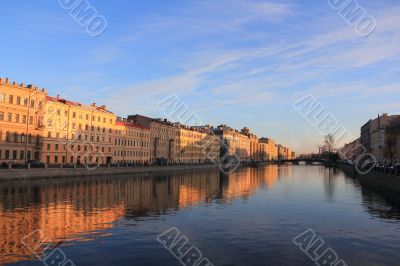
pixel 247 218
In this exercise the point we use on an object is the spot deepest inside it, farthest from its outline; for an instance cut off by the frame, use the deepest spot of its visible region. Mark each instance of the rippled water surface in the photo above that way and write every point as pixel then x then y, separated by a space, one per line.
pixel 247 218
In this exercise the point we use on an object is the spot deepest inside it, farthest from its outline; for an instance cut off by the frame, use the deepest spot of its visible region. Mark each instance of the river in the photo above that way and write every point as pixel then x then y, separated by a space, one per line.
pixel 250 217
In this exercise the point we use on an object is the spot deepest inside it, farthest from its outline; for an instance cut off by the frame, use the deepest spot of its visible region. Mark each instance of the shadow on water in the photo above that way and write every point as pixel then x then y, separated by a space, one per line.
pixel 384 205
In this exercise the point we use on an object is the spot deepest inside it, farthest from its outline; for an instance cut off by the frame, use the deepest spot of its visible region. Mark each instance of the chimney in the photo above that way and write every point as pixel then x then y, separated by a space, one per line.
pixel 23 85
pixel 94 104
pixel 30 86
pixel 104 107
pixel 58 96
pixel 1 80
pixel 7 81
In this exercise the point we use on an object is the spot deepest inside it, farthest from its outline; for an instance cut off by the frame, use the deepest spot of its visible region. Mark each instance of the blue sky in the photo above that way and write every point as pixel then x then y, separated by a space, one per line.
pixel 243 63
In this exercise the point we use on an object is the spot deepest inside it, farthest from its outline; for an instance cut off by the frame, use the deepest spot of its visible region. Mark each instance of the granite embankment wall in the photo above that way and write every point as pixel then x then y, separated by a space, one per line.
pixel 382 181
pixel 23 174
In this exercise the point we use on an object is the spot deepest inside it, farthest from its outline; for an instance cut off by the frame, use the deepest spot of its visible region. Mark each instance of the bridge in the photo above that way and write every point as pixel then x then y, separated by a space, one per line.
pixel 306 161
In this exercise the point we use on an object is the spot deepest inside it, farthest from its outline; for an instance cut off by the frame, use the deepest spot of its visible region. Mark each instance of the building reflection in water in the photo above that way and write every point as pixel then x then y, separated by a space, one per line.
pixel 82 209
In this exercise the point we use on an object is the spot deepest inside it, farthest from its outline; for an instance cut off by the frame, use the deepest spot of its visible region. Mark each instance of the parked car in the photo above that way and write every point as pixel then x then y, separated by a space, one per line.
pixel 36 164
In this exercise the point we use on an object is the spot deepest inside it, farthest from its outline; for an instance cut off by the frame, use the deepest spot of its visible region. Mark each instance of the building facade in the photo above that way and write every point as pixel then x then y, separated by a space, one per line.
pixel 270 149
pixel 76 133
pixel 351 151
pixel 162 137
pixel 373 135
pixel 195 145
pixel 131 143
pixel 233 143
pixel 21 122
pixel 254 149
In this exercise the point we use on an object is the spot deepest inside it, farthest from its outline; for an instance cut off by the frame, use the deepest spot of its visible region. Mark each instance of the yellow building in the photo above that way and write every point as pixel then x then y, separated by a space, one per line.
pixel 284 153
pixel 162 137
pixel 76 133
pixel 21 122
pixel 193 145
pixel 234 143
pixel 269 149
pixel 132 143
pixel 254 152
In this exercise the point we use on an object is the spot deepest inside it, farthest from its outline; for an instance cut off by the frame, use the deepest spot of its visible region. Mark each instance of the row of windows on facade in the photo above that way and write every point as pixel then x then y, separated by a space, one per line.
pixel 19 138
pixel 131 143
pixel 162 129
pixel 131 153
pixel 63 147
pixel 80 115
pixel 14 155
pixel 19 100
pixel 64 126
pixel 17 118
pixel 79 137
pixel 132 134
pixel 191 135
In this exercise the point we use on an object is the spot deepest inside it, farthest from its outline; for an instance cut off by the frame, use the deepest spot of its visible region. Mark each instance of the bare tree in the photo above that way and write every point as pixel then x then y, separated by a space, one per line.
pixel 329 143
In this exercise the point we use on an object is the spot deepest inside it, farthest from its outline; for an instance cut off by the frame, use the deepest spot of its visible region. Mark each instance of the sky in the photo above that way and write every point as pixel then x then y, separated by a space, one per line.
pixel 240 63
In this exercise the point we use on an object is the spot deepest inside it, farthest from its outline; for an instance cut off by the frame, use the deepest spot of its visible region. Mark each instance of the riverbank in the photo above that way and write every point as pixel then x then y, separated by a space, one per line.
pixel 384 182
pixel 25 174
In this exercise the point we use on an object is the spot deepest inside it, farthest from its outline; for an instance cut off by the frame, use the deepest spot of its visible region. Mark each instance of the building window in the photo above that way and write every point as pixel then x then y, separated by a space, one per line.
pixel 55 159
pixel 1 116
pixel 32 103
pixel 9 117
pixel 11 99
pixel 14 155
pixel 2 97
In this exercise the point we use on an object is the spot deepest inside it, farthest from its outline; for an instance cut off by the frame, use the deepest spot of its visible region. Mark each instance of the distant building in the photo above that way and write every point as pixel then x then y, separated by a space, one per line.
pixel 254 152
pixel 162 137
pixel 284 153
pixel 195 145
pixel 234 143
pixel 270 150
pixel 131 142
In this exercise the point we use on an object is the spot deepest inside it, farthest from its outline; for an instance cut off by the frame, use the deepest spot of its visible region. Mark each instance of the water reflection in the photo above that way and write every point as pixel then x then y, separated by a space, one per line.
pixel 82 209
